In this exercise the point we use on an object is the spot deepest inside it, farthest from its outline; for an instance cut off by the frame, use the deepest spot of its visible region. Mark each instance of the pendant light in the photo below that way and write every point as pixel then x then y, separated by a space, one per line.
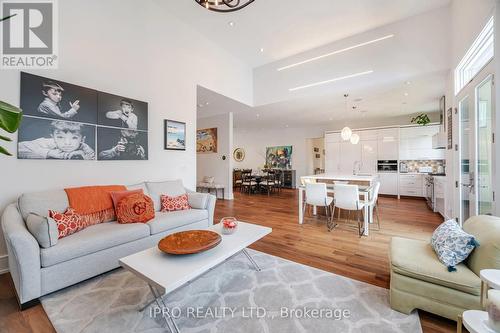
pixel 354 139
pixel 346 131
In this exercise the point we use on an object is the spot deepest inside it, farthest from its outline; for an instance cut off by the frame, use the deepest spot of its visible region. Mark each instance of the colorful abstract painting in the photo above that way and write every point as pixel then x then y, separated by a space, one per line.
pixel 279 157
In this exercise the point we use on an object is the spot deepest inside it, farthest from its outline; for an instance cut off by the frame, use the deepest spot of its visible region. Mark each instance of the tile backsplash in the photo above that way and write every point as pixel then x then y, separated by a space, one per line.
pixel 413 165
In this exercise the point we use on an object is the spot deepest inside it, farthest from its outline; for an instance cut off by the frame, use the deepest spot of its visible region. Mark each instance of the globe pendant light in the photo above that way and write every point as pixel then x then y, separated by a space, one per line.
pixel 354 139
pixel 346 133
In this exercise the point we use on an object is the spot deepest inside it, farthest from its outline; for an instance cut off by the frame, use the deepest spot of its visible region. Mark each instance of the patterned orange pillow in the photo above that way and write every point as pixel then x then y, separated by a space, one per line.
pixel 172 204
pixel 135 208
pixel 68 222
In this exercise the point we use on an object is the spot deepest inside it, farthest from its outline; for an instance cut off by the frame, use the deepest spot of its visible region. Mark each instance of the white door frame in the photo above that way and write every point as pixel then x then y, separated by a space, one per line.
pixel 470 91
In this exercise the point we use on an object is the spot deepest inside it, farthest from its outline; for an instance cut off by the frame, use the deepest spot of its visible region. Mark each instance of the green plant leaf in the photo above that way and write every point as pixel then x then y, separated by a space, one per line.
pixel 4 138
pixel 4 151
pixel 10 117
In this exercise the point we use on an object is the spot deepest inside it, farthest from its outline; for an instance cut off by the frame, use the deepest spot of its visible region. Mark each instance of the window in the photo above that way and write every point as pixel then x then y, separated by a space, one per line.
pixel 479 54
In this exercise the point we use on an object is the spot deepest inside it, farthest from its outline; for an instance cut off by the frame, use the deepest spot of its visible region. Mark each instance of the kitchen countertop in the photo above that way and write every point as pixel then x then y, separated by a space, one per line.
pixel 360 177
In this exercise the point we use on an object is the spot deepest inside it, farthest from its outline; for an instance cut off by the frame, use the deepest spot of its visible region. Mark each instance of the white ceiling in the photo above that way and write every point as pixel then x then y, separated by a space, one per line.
pixel 287 27
pixel 418 53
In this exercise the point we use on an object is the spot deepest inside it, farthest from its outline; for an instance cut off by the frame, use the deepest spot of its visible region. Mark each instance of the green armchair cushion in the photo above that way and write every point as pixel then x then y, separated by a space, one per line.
pixel 486 230
pixel 417 259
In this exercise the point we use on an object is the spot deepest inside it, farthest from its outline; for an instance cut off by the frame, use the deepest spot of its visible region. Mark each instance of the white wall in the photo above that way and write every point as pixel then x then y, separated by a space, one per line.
pixel 135 49
pixel 255 142
pixel 313 162
pixel 212 164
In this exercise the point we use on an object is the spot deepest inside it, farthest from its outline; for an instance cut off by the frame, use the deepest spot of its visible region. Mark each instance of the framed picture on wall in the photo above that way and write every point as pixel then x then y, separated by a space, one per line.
pixel 174 135
pixel 442 110
pixel 206 140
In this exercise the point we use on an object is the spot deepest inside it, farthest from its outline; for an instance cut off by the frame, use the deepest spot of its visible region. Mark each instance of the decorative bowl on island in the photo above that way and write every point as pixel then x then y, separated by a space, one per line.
pixel 229 225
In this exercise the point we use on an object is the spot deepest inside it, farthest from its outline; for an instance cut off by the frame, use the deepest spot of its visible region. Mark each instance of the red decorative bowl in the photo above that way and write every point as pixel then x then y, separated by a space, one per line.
pixel 229 225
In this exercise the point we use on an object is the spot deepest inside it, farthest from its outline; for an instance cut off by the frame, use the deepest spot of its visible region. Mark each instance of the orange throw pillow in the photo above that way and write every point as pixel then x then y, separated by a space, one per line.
pixel 172 204
pixel 68 222
pixel 135 208
pixel 118 195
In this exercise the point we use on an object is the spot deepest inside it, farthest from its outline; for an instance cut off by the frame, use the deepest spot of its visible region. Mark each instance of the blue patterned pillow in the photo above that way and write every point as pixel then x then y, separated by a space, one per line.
pixel 451 244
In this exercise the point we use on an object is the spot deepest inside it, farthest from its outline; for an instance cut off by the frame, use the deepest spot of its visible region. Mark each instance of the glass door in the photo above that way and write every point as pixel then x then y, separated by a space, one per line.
pixel 475 120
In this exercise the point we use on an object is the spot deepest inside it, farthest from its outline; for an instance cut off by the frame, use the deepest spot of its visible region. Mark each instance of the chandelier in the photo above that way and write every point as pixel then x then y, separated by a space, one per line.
pixel 224 6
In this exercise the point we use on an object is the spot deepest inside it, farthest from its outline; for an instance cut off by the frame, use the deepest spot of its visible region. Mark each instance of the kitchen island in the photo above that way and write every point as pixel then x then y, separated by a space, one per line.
pixel 364 181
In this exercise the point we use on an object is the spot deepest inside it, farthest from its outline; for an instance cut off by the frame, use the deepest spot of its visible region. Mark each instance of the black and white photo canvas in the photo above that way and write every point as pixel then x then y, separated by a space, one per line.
pixel 49 98
pixel 123 112
pixel 121 144
pixel 55 139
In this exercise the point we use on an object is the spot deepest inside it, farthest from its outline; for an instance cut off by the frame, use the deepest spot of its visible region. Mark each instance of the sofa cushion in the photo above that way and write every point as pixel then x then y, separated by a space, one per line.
pixel 172 204
pixel 417 259
pixel 171 220
pixel 486 230
pixel 140 186
pixel 172 188
pixel 40 202
pixel 135 208
pixel 44 229
pixel 92 239
pixel 198 200
pixel 451 244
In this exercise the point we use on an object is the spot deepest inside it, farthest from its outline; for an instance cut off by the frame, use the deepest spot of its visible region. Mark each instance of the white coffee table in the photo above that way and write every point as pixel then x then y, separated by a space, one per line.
pixel 165 273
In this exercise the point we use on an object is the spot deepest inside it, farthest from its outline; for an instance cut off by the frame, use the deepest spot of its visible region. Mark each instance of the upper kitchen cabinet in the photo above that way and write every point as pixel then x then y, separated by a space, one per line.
pixel 332 157
pixel 416 143
pixel 388 143
pixel 351 158
pixel 369 156
pixel 332 137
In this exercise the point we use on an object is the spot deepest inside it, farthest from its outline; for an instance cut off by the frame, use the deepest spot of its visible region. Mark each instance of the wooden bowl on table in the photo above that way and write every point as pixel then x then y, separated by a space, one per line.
pixel 189 242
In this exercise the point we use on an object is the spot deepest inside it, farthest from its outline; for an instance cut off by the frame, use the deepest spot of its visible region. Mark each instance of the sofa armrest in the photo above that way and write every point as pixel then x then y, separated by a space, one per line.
pixel 24 255
pixel 212 199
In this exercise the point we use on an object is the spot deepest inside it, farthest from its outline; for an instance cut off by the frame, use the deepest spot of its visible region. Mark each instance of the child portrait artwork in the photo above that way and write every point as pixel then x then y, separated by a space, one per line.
pixel 69 122
pixel 55 139
pixel 121 112
pixel 48 98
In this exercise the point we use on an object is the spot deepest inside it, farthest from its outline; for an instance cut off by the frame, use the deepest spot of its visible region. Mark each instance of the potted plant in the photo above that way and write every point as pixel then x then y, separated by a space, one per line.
pixel 422 119
pixel 10 119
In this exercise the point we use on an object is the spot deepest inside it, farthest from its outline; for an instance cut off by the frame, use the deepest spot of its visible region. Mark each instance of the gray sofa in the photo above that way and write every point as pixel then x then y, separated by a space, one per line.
pixel 37 271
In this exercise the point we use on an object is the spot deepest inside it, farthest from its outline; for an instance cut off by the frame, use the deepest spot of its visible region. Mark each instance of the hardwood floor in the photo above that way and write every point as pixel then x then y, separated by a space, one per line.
pixel 340 251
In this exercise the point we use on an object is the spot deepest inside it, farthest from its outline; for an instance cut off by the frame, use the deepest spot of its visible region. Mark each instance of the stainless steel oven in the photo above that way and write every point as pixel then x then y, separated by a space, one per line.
pixel 387 166
pixel 429 192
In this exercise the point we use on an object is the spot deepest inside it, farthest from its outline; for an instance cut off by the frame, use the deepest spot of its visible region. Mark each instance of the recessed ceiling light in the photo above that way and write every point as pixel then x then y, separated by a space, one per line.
pixel 408 83
pixel 261 50
pixel 286 126
pixel 257 115
pixel 336 52
pixel 406 94
pixel 206 103
pixel 330 119
pixel 231 23
pixel 330 81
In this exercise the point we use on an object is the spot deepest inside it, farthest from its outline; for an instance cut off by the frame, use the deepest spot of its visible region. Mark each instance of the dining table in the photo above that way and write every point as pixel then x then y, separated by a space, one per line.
pixel 365 187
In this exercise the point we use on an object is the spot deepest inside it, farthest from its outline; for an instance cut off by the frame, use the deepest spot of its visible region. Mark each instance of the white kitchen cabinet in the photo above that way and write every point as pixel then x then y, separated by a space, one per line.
pixel 388 144
pixel 416 143
pixel 332 137
pixel 350 154
pixel 411 185
pixel 332 157
pixel 388 183
pixel 369 156
pixel 368 135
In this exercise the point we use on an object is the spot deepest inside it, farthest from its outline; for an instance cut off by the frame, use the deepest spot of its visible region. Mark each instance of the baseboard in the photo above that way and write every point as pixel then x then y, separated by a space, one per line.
pixel 4 263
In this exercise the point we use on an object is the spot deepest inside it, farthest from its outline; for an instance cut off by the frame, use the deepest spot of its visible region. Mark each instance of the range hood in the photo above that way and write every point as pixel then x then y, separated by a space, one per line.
pixel 439 140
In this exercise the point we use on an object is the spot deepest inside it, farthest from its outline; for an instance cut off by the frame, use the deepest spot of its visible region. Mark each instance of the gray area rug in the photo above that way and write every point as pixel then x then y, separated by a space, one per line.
pixel 232 297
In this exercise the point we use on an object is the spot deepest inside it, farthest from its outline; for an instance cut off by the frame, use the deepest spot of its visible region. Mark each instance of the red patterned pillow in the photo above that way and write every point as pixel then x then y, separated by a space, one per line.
pixel 135 208
pixel 68 222
pixel 171 204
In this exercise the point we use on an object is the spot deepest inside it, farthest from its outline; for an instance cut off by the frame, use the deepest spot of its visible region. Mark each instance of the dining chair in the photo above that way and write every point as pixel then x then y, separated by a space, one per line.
pixel 374 202
pixel 248 183
pixel 347 198
pixel 316 195
pixel 268 182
